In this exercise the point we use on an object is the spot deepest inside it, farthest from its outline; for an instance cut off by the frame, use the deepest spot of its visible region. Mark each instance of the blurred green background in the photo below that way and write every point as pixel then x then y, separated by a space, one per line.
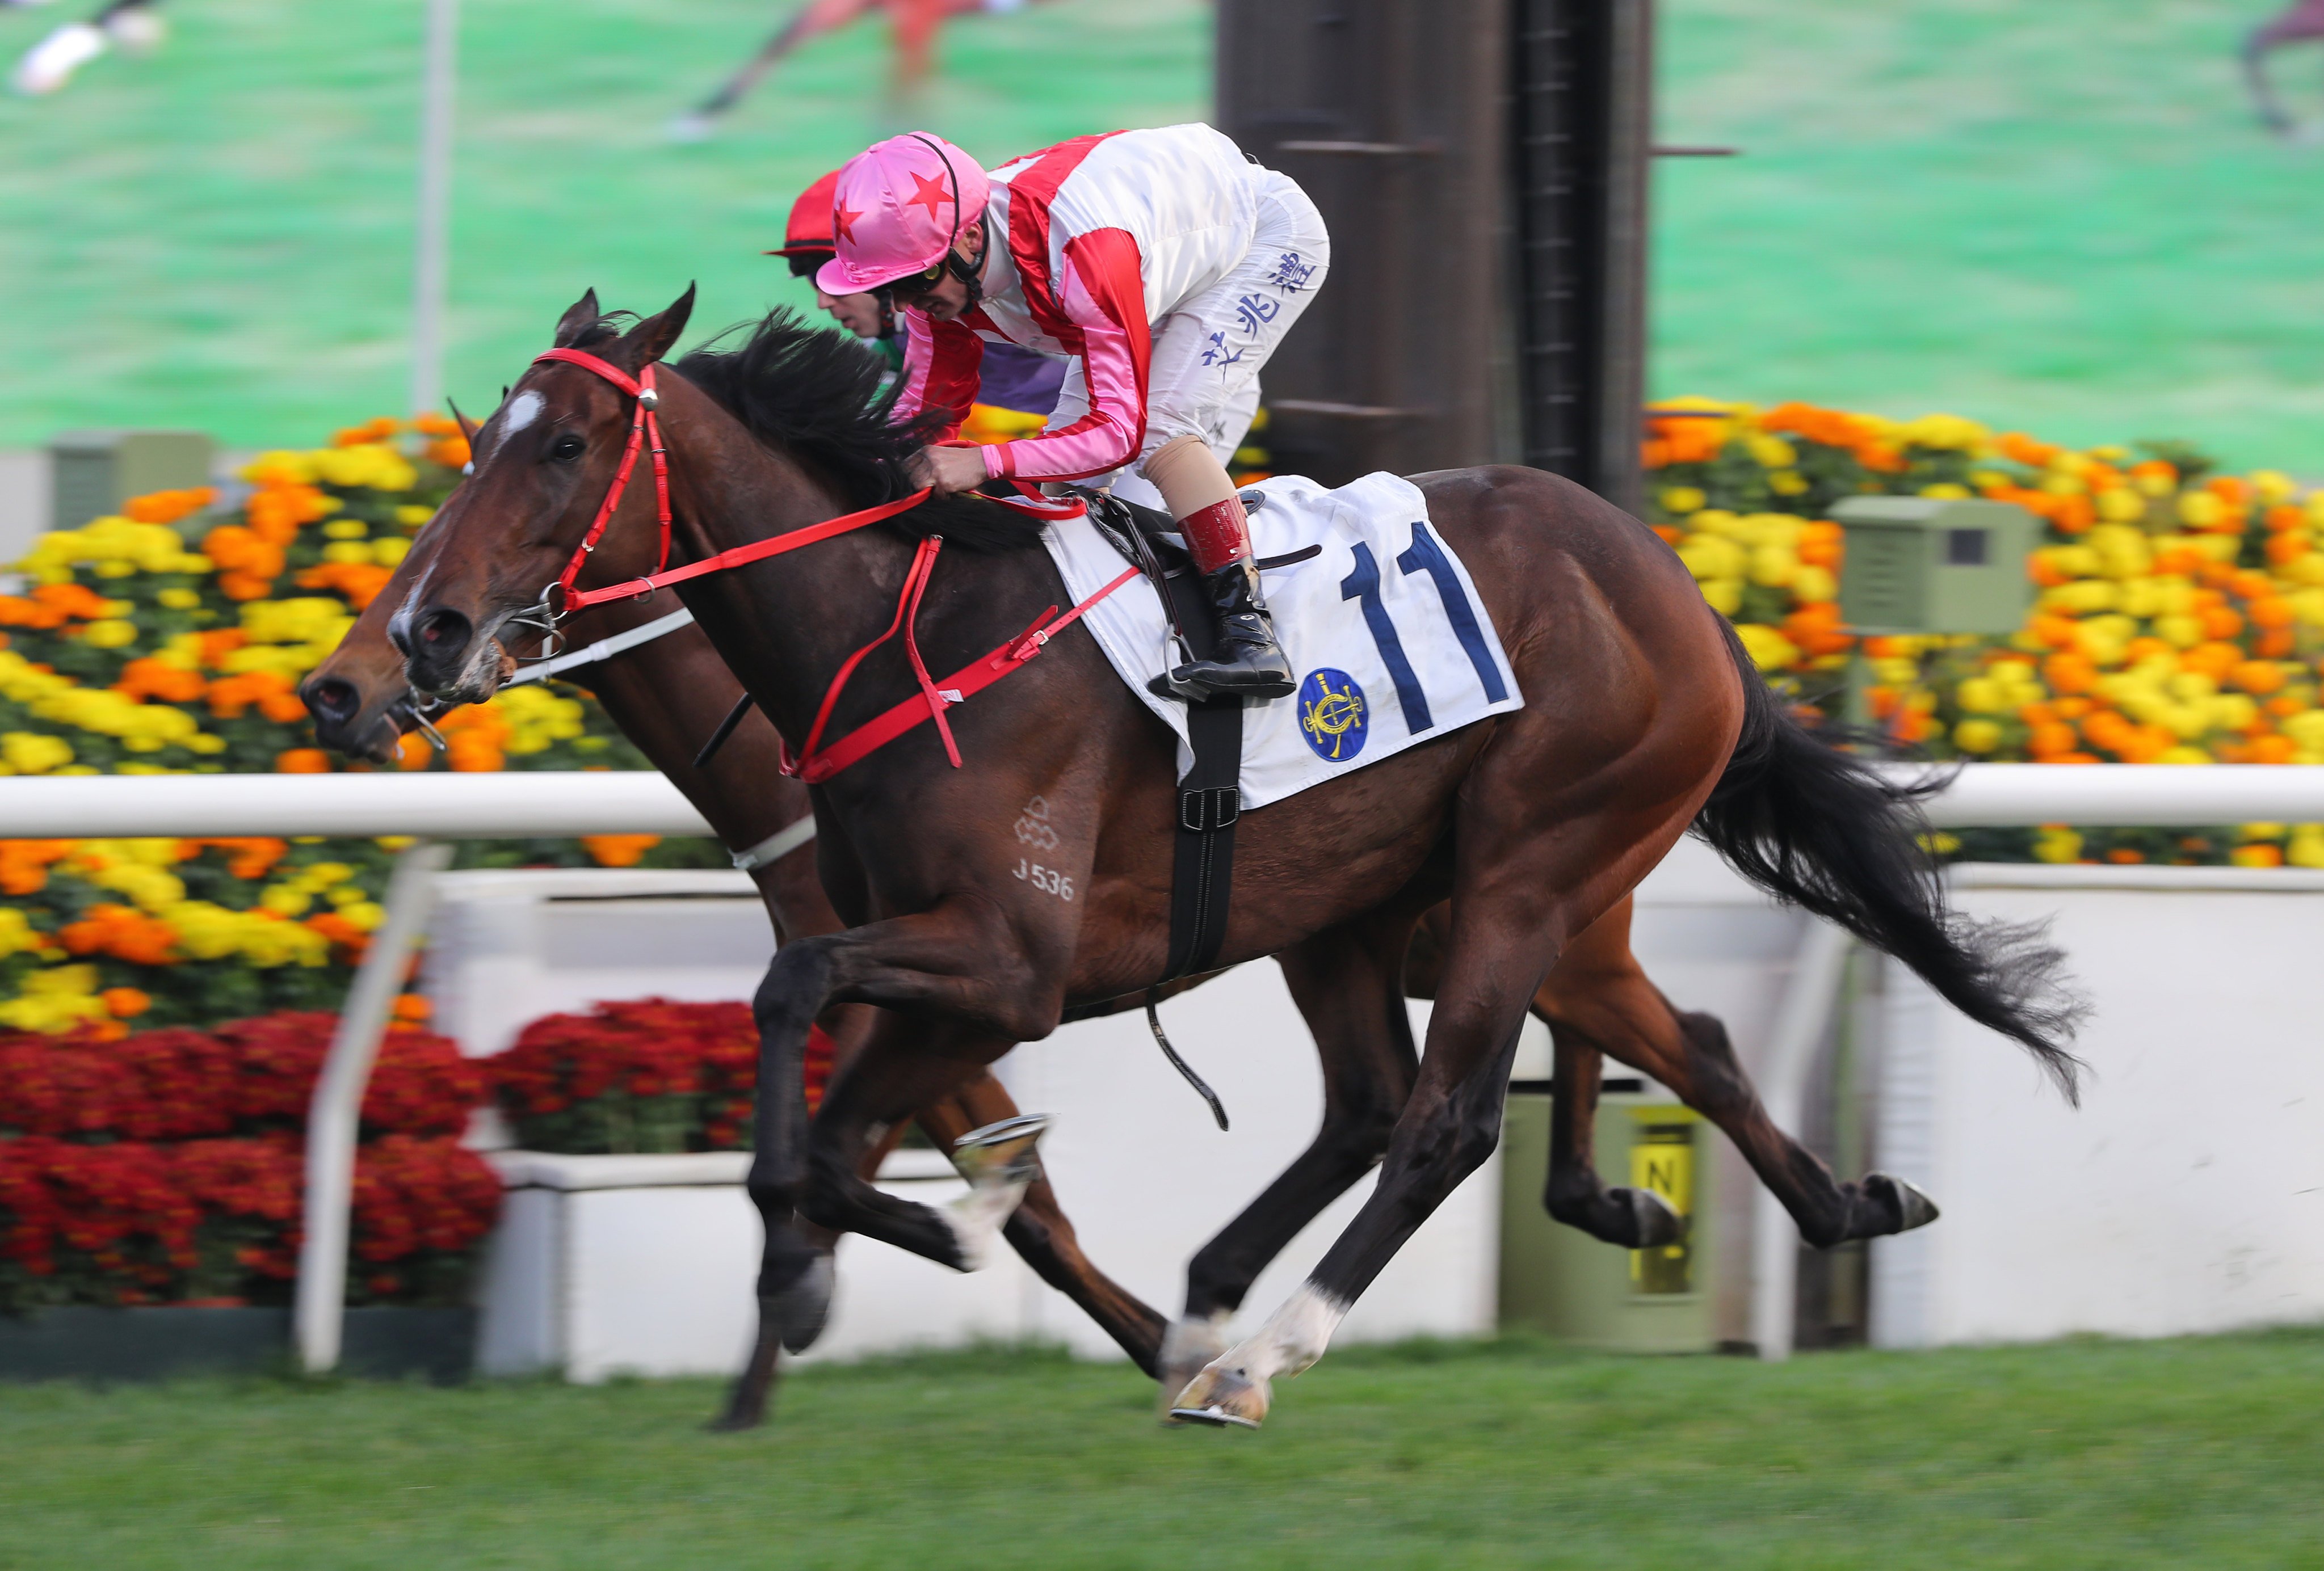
pixel 2061 217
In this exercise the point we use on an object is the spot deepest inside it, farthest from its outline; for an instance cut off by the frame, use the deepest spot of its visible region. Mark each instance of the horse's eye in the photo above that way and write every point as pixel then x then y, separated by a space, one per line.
pixel 568 447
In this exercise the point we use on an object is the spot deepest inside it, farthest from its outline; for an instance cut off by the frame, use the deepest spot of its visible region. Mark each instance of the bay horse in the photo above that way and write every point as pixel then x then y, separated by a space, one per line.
pixel 1643 718
pixel 669 693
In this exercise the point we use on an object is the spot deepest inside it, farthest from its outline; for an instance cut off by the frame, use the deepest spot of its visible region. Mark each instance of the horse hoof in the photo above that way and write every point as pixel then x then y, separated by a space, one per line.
pixel 733 1423
pixel 1186 1346
pixel 1910 1206
pixel 1003 1152
pixel 800 1311
pixel 1654 1221
pixel 1223 1398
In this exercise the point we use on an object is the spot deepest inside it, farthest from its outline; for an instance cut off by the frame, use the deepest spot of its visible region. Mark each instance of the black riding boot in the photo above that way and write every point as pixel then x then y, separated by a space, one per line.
pixel 1246 662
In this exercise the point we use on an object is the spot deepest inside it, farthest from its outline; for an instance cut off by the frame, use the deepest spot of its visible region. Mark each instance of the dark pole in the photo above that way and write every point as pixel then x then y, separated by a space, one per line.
pixel 1581 138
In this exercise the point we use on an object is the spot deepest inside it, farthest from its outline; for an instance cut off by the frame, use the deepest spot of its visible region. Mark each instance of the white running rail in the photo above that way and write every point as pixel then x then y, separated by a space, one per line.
pixel 436 807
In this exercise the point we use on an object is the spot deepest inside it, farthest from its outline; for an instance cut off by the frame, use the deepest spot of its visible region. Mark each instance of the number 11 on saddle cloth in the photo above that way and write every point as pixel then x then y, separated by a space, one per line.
pixel 1384 628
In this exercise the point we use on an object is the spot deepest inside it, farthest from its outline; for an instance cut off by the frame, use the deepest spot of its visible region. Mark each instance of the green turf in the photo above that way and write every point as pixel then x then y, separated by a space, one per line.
pixel 2060 216
pixel 2056 215
pixel 219 236
pixel 2199 1453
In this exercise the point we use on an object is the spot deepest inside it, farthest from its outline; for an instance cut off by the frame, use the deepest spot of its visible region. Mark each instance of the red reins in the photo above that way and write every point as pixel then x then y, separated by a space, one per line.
pixel 934 698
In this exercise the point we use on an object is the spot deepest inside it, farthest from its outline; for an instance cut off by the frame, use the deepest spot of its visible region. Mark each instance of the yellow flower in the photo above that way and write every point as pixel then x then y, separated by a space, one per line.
pixel 2119 504
pixel 1769 649
pixel 371 465
pixel 1810 585
pixel 1787 483
pixel 346 529
pixel 389 550
pixel 179 599
pixel 2057 843
pixel 411 515
pixel 1946 491
pixel 2273 485
pixel 111 633
pixel 1773 566
pixel 347 551
pixel 1708 557
pixel 1683 499
pixel 285 899
pixel 2306 847
pixel 1976 735
pixel 17 934
pixel 30 753
pixel 1724 595
pixel 1771 452
pixel 2199 509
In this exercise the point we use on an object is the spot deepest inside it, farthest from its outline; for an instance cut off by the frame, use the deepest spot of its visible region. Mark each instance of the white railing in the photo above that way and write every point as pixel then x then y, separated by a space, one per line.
pixel 439 807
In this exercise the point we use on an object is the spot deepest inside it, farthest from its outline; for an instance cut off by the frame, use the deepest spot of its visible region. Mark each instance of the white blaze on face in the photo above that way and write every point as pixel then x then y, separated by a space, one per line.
pixel 522 410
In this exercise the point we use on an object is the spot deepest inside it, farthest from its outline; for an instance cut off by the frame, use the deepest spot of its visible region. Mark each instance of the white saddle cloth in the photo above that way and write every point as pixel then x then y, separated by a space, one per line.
pixel 1383 627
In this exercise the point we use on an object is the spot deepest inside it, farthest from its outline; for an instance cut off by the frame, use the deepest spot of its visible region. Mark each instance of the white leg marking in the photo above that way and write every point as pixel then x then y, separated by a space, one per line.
pixel 1293 1338
pixel 1191 1343
pixel 999 1163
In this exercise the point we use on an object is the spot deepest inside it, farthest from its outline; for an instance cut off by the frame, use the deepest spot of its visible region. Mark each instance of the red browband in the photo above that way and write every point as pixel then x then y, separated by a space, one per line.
pixel 934 698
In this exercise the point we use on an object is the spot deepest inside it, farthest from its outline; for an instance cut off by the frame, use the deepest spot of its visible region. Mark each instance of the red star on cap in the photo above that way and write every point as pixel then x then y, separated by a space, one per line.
pixel 930 194
pixel 843 220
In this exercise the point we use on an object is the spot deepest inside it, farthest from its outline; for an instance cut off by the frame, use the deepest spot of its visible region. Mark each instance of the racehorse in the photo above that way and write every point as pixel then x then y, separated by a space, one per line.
pixel 916 23
pixel 1643 718
pixel 668 692
pixel 2302 21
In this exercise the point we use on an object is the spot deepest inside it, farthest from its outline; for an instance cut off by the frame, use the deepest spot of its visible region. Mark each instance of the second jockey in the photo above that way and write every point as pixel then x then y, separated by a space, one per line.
pixel 1163 265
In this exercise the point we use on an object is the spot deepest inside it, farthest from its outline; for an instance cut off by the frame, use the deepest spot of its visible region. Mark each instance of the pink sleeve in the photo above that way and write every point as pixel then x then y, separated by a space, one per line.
pixel 940 371
pixel 1104 300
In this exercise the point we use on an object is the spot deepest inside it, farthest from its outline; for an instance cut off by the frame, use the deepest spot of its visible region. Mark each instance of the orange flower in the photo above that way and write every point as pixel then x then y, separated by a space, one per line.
pixel 2024 449
pixel 2073 515
pixel 412 751
pixel 2124 857
pixel 123 933
pixel 2070 671
pixel 359 582
pixel 2286 547
pixel 618 850
pixel 167 507
pixel 451 452
pixel 2272 611
pixel 17 610
pixel 2155 469
pixel 2274 644
pixel 351 940
pixel 413 1006
pixel 2214 660
pixel 378 429
pixel 2270 750
pixel 125 1001
pixel 1816 629
pixel 1823 544
pixel 151 678
pixel 251 856
pixel 302 761
pixel 276 511
pixel 2219 622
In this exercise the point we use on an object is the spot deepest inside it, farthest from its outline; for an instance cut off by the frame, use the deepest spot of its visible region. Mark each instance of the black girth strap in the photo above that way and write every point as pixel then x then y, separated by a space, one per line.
pixel 1209 803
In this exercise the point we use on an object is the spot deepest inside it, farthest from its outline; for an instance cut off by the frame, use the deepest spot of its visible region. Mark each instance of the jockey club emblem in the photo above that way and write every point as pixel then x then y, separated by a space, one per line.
pixel 1331 714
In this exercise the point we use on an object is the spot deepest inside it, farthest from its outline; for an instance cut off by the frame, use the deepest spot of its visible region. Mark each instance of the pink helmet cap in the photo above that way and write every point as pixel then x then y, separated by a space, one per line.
pixel 899 205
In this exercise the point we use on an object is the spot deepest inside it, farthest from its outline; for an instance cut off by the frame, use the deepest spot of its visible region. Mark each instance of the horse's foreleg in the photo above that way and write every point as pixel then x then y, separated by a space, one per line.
pixel 1346 983
pixel 1040 1232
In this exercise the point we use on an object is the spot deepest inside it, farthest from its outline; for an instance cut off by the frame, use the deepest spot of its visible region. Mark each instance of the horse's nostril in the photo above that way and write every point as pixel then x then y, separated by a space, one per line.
pixel 333 699
pixel 443 630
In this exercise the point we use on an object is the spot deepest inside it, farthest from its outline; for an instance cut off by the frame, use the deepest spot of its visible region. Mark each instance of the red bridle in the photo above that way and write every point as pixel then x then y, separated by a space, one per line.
pixel 935 697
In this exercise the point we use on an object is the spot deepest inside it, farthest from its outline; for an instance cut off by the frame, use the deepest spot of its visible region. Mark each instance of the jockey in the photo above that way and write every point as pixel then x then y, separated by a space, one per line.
pixel 1163 265
pixel 1014 378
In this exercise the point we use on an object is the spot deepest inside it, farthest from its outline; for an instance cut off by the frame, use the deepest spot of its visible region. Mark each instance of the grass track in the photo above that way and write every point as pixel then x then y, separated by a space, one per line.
pixel 2079 1455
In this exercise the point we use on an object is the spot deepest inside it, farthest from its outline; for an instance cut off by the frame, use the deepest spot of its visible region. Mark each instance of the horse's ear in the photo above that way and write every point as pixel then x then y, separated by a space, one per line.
pixel 652 339
pixel 578 318
pixel 468 428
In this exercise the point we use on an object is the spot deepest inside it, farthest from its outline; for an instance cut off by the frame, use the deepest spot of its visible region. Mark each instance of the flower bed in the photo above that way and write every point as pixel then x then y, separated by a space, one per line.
pixel 171 639
pixel 2180 617
pixel 654 1075
pixel 166 1166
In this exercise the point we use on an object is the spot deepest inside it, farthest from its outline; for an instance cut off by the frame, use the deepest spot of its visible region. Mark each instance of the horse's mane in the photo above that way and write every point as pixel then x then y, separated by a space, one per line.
pixel 815 393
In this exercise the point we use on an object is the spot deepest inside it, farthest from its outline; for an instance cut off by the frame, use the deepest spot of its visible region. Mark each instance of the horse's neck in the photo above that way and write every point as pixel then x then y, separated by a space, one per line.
pixel 788 626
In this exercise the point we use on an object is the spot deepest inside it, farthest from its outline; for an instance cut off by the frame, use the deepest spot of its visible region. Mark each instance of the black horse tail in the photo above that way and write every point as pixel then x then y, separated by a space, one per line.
pixel 1821 829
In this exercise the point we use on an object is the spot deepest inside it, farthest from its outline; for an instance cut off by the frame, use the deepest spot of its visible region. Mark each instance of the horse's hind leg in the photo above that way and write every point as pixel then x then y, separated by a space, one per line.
pixel 1345 982
pixel 1598 999
pixel 1040 1232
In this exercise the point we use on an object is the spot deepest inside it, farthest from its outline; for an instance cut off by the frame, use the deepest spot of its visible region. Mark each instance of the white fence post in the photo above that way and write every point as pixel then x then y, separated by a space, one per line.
pixel 337 1110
